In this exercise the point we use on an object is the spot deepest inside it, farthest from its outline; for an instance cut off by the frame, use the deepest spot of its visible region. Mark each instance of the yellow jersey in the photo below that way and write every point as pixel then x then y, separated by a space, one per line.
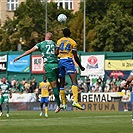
pixel 44 86
pixel 66 45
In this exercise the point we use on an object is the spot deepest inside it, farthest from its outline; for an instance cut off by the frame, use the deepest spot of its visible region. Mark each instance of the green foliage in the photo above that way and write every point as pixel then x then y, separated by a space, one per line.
pixel 114 32
pixel 97 9
pixel 29 23
pixel 76 27
pixel 107 28
pixel 53 25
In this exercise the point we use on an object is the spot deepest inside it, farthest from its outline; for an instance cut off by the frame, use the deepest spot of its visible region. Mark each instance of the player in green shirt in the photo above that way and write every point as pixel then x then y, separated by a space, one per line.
pixel 47 49
pixel 4 95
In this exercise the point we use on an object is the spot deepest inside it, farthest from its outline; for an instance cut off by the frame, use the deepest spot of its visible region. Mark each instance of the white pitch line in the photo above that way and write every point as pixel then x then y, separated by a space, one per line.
pixel 107 116
pixel 40 119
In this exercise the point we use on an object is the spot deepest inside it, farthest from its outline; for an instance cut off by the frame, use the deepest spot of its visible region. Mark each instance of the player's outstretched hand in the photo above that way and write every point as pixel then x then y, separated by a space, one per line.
pixel 16 59
pixel 82 68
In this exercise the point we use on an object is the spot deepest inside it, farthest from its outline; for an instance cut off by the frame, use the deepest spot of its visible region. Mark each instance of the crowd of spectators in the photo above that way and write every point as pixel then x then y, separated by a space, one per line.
pixel 24 86
pixel 100 84
pixel 87 84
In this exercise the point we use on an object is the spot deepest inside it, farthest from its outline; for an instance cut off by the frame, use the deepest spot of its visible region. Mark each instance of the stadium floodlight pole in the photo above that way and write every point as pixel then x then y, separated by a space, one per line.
pixel 46 18
pixel 84 26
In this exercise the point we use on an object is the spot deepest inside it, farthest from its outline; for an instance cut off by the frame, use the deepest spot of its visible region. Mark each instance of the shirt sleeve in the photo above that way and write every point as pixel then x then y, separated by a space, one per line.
pixel 74 46
pixel 37 45
pixel 58 43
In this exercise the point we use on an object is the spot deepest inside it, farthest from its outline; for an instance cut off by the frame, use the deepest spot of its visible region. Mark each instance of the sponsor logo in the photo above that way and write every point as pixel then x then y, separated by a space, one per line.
pixel 95 97
pixel 116 74
pixel 99 106
pixel 92 62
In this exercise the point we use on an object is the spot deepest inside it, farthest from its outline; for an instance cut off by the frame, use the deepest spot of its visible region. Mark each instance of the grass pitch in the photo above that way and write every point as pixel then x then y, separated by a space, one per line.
pixel 66 122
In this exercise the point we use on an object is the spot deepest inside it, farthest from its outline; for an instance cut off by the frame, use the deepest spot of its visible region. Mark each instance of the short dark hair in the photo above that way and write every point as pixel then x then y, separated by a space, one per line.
pixel 66 32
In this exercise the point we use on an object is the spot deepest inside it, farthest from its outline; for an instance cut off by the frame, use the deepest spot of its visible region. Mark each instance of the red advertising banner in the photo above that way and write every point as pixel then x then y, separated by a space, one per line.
pixel 37 65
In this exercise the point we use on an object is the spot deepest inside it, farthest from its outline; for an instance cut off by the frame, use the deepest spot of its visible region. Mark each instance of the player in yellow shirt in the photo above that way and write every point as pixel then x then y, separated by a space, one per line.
pixel 67 49
pixel 44 86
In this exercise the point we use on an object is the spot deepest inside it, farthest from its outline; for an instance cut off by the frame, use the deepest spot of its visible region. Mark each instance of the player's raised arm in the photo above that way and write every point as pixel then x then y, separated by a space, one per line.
pixel 77 59
pixel 26 53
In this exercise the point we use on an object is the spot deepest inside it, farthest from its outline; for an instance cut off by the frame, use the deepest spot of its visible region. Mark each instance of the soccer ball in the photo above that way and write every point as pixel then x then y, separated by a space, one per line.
pixel 62 18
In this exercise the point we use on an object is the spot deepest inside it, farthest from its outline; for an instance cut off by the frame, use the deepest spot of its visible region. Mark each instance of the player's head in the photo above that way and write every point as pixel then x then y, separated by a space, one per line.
pixel 66 32
pixel 44 78
pixel 3 79
pixel 48 36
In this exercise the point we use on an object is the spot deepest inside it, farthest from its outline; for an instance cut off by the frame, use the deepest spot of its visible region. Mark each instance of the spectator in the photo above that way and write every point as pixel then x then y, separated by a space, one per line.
pixel 115 88
pixel 13 82
pixel 107 88
pixel 118 82
pixel 17 85
pixel 100 82
pixel 27 87
pixel 87 81
pixel 125 100
pixel 96 88
pixel 23 81
pixel 114 79
pixel 122 83
pixel 33 85
pixel 82 88
pixel 108 81
pixel 80 82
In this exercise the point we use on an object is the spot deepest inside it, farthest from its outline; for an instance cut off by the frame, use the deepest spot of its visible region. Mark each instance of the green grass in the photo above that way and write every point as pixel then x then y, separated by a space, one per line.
pixel 66 122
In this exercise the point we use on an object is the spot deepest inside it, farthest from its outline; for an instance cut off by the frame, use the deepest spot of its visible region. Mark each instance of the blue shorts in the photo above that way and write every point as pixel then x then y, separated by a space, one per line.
pixel 66 66
pixel 44 100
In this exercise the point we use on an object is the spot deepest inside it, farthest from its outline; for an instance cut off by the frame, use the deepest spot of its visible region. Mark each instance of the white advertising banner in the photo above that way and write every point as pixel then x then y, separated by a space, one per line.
pixel 3 60
pixel 37 64
pixel 100 97
pixel 94 65
pixel 69 97
pixel 25 97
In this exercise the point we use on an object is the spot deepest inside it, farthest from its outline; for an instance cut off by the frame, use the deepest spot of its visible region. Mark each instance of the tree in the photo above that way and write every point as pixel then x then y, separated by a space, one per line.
pixel 76 26
pixel 6 40
pixel 114 32
pixel 28 25
pixel 96 9
pixel 53 25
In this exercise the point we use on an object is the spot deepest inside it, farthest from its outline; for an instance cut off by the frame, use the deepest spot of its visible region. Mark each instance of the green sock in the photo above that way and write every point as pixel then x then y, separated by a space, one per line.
pixel 56 94
pixel 7 108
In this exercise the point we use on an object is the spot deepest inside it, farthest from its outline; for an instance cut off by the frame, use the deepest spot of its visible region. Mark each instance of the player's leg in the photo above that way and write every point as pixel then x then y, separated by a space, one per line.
pixel 52 75
pixel 7 109
pixel 1 109
pixel 62 73
pixel 75 91
pixel 62 92
pixel 56 94
pixel 41 105
pixel 46 106
pixel 1 101
pixel 6 101
pixel 71 71
pixel 125 106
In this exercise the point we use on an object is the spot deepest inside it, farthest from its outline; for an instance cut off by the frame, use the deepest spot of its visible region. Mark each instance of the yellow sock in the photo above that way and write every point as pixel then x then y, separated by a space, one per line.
pixel 75 93
pixel 62 94
pixel 46 110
